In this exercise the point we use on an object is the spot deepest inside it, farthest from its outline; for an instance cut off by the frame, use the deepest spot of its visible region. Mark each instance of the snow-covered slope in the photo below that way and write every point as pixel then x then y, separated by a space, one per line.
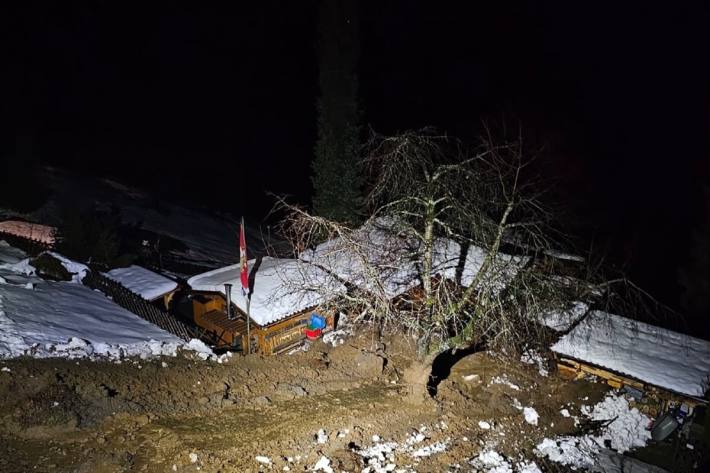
pixel 66 319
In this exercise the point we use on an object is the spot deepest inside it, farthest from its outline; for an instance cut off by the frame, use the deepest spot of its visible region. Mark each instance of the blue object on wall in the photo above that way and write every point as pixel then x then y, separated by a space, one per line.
pixel 317 321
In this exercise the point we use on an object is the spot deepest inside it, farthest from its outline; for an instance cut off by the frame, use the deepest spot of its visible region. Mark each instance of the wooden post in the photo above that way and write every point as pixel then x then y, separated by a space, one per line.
pixel 248 325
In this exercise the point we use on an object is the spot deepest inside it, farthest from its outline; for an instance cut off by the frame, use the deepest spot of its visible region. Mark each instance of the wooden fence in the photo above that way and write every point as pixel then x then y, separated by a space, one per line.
pixel 134 303
pixel 29 246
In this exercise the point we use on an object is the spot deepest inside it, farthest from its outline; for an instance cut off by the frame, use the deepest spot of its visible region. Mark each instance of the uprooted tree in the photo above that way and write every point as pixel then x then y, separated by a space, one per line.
pixel 429 259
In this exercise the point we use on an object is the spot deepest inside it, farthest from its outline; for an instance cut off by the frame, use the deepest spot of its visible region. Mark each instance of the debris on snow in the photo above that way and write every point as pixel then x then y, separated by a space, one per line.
pixel 625 431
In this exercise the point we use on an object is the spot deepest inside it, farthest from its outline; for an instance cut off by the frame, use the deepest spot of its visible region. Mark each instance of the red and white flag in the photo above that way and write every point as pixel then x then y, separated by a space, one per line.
pixel 244 267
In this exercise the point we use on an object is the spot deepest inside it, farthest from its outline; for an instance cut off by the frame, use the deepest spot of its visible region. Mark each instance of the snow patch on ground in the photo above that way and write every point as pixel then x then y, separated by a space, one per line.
pixel 533 357
pixel 626 431
pixel 490 461
pixel 504 380
pixel 531 415
pixel 382 456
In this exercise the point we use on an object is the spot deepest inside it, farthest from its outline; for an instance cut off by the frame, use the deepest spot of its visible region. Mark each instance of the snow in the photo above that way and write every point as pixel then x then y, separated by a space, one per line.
pixel 337 337
pixel 323 464
pixel 505 381
pixel 561 320
pixel 77 270
pixel 9 254
pixel 564 256
pixel 531 415
pixel 626 431
pixel 281 287
pixel 484 425
pixel 263 460
pixel 533 357
pixel 32 231
pixel 491 461
pixel 651 354
pixel 64 319
pixel 377 245
pixel 145 283
pixel 381 456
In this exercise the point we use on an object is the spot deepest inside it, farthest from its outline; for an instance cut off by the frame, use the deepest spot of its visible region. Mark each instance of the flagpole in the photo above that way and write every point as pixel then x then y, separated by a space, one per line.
pixel 248 325
pixel 245 281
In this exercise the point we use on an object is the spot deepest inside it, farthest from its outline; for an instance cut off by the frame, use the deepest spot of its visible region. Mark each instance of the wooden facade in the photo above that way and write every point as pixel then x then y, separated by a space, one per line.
pixel 210 313
pixel 654 400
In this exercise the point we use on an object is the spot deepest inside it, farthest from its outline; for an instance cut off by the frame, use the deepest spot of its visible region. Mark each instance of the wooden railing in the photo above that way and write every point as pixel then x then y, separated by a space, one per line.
pixel 133 302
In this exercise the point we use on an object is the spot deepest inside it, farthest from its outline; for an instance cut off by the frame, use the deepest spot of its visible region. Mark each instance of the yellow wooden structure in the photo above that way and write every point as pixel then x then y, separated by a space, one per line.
pixel 655 400
pixel 210 313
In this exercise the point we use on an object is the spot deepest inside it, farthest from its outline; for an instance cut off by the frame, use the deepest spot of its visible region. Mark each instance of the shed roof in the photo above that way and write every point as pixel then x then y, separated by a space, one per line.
pixel 144 282
pixel 282 287
pixel 380 248
pixel 651 354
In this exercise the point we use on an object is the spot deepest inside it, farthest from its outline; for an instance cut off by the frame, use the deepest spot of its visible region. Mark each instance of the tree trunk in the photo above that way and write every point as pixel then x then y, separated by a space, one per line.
pixel 417 378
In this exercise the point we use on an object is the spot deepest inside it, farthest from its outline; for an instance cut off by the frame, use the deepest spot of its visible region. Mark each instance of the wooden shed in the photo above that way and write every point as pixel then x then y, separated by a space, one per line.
pixel 284 295
pixel 662 368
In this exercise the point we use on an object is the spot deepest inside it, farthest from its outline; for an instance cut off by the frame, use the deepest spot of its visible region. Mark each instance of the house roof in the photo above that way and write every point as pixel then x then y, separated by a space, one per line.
pixel 651 354
pixel 146 283
pixel 282 287
pixel 378 247
pixel 32 231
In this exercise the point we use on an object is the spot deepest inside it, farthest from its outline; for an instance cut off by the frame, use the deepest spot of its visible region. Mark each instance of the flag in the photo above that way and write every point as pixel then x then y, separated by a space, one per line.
pixel 244 267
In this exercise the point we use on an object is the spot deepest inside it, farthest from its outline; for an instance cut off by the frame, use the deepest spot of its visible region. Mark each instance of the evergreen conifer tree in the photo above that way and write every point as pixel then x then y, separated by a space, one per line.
pixel 337 176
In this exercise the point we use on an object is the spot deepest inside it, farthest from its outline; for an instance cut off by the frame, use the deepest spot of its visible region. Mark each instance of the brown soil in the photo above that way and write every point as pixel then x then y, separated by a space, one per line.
pixel 186 415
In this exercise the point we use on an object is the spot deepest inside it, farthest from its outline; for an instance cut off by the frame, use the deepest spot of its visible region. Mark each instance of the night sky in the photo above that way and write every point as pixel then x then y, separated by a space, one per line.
pixel 215 104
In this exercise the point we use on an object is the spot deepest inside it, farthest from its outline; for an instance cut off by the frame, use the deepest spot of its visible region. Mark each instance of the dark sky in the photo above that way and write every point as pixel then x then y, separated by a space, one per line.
pixel 216 103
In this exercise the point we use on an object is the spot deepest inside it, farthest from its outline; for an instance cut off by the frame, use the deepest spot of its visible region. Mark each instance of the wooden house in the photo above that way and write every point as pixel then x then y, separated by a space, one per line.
pixel 284 294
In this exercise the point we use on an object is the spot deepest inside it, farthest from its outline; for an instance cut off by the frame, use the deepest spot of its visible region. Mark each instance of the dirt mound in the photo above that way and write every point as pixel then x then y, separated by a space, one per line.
pixel 349 404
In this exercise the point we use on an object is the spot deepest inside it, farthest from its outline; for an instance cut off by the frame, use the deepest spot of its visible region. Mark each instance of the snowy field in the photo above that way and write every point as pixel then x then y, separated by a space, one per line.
pixel 66 319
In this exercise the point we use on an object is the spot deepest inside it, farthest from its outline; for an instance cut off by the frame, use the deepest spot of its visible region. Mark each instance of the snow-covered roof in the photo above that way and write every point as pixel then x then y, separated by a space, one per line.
pixel 281 287
pixel 561 320
pixel 648 353
pixel 33 231
pixel 380 248
pixel 146 283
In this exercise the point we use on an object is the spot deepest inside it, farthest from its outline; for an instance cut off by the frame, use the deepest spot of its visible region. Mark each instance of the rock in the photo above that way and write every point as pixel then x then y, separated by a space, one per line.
pixel 262 400
pixel 369 364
